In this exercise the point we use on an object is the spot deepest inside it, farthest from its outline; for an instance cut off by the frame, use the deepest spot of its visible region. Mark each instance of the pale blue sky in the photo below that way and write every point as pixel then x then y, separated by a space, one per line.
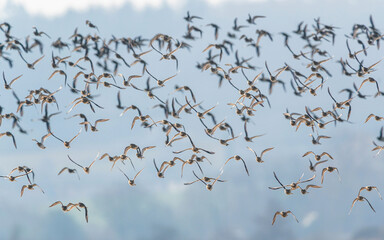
pixel 241 208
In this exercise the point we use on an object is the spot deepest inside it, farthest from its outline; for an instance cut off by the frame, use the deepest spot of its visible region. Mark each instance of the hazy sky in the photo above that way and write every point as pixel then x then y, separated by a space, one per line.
pixel 242 207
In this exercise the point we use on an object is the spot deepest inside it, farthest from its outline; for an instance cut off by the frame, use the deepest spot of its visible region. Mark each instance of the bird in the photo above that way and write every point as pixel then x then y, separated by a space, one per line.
pixel 119 106
pixel 93 127
pixel 31 65
pixel 86 169
pixel 67 144
pixel 8 85
pixel 30 187
pixel 237 158
pixel 259 158
pixel 140 152
pixel 161 82
pixel 329 169
pixel 200 115
pixel 381 137
pixel 313 167
pixel 371 80
pixel 205 179
pixel 131 182
pixel 293 185
pixel 305 190
pixel 91 25
pixel 190 162
pixel 13 178
pixel 370 188
pixel 252 19
pixel 283 214
pixel 361 199
pixel 82 205
pixel 286 190
pixel 318 157
pixel 61 72
pixel 377 147
pixel 165 165
pixel 316 141
pixel 142 119
pixel 65 208
pixel 236 27
pixel 70 170
pixel 247 138
pixel 190 18
pixel 39 33
pixel 186 88
pixel 9 134
pixel 377 118
pixel 216 29
pixel 273 78
pixel 160 174
pixel 209 186
pixel 41 143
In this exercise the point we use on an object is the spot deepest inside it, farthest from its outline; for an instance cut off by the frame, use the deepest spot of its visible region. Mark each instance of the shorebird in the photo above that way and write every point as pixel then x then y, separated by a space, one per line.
pixel 65 208
pixel 61 72
pixel 41 143
pixel 67 144
pixel 237 158
pixel 38 33
pixel 186 88
pixel 252 19
pixel 273 78
pixel 70 170
pixel 377 147
pixel 259 159
pixel 13 178
pixel 140 152
pixel 8 85
pixel 318 157
pixel 160 82
pixel 86 169
pixel 200 115
pixel 93 127
pixel 377 118
pixel 204 179
pixel 170 163
pixel 209 186
pixel 160 174
pixel 247 138
pixel 370 188
pixel 82 205
pixel 31 65
pixel 305 190
pixel 30 187
pixel 371 80
pixel 361 199
pixel 293 185
pixel 283 214
pixel 329 169
pixel 286 190
pixel 131 182
pixel 190 161
pixel 9 134
pixel 316 141
pixel 190 18
pixel 313 167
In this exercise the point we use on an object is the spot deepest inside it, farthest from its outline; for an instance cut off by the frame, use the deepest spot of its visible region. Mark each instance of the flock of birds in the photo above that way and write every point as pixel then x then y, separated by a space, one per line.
pixel 93 74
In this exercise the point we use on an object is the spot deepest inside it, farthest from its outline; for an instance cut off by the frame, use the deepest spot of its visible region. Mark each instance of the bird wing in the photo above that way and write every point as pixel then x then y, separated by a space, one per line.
pixel 22 190
pixel 266 150
pixel 62 170
pixel 274 217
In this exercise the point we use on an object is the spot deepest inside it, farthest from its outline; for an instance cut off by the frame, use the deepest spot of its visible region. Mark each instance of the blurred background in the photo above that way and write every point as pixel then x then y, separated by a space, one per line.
pixel 243 206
